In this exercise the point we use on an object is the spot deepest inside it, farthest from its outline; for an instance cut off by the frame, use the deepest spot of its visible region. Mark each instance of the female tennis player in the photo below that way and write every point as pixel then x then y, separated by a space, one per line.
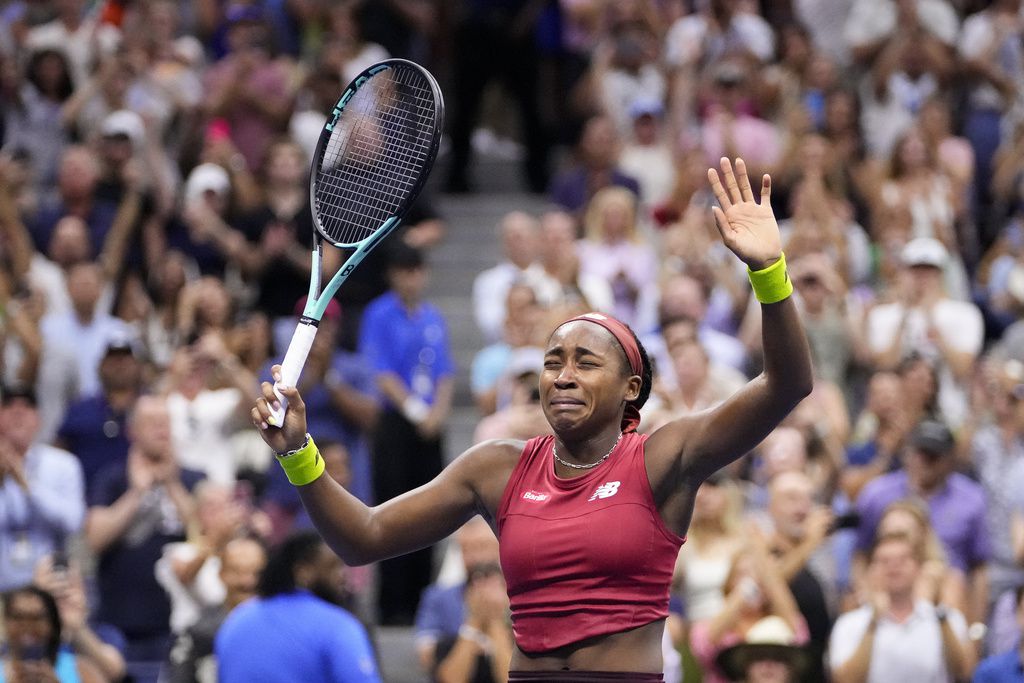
pixel 589 520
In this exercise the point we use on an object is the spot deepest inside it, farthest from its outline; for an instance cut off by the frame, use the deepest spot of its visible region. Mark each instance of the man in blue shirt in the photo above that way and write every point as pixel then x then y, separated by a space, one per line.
pixel 1009 666
pixel 94 427
pixel 295 631
pixel 405 342
pixel 42 502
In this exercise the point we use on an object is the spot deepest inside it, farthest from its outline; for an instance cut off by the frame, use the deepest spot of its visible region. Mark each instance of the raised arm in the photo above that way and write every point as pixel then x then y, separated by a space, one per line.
pixel 359 534
pixel 696 446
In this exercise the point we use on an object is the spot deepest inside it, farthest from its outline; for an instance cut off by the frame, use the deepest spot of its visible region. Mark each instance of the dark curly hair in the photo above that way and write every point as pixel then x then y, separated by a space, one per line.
pixel 646 376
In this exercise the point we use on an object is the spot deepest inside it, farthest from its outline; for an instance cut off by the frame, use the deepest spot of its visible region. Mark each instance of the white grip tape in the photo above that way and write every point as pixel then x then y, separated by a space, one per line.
pixel 291 367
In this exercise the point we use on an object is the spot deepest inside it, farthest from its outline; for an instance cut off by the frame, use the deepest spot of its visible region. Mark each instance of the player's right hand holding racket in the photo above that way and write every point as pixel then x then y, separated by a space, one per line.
pixel 373 158
pixel 291 435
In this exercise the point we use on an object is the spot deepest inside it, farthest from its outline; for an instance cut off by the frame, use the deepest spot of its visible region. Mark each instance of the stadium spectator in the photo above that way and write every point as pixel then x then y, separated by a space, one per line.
pixel 94 427
pixel 520 246
pixel 135 509
pixel 800 541
pixel 595 167
pixel 42 491
pixel 928 474
pixel 895 633
pixel 192 657
pixel 34 651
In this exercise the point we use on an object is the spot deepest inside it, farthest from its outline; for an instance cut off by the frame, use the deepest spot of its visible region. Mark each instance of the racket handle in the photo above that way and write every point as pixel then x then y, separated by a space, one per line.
pixel 291 367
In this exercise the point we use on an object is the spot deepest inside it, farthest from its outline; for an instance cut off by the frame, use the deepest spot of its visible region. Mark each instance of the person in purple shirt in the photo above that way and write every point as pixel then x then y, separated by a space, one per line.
pixel 956 504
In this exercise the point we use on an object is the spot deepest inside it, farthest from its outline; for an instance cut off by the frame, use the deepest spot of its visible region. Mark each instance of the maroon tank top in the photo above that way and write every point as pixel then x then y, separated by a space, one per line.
pixel 583 557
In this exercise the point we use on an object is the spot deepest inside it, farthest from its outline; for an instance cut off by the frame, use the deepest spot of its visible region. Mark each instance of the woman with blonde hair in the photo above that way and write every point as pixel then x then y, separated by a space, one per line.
pixel 614 250
pixel 714 538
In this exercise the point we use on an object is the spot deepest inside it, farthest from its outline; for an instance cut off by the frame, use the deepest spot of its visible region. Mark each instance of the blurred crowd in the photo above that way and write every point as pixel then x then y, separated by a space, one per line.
pixel 155 234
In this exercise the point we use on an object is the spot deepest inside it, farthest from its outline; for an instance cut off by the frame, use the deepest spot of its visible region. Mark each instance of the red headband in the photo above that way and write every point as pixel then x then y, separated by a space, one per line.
pixel 631 418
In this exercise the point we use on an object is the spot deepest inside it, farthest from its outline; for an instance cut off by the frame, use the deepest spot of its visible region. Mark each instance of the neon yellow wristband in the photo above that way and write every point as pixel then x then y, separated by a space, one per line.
pixel 304 465
pixel 772 284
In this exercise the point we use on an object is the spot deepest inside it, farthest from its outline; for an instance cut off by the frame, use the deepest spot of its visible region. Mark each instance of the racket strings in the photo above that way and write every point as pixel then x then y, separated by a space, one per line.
pixel 376 154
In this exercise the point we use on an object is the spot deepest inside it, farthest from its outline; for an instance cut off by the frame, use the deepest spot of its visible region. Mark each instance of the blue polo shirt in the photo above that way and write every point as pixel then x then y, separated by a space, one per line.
pixel 95 433
pixel 1004 668
pixel 293 637
pixel 413 345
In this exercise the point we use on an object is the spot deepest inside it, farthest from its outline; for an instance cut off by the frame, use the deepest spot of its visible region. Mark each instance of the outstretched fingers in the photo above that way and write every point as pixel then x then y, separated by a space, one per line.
pixel 719 191
pixel 766 189
pixel 730 181
pixel 743 181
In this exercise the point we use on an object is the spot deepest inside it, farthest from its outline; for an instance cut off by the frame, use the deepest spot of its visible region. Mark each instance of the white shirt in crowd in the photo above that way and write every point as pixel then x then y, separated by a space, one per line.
pixel 490 289
pixel 961 327
pixel 908 651
pixel 201 430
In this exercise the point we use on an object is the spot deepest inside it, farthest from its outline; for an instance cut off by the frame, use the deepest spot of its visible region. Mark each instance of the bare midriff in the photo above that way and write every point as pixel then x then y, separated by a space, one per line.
pixel 637 650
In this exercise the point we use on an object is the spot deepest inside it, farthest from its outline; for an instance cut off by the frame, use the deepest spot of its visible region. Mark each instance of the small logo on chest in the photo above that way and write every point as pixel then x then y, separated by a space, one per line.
pixel 605 490
pixel 535 496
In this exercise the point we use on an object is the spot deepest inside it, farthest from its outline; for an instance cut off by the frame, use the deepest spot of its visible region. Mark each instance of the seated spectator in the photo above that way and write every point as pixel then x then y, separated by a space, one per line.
pixel 926 320
pixel 189 571
pixel 697 388
pixel 878 433
pixel 41 489
pixel 687 297
pixel 956 504
pixel 206 394
pixel 520 247
pixel 729 127
pixel 101 643
pixel 135 510
pixel 713 541
pixel 94 427
pixel 801 543
pixel 768 654
pixel 754 590
pixel 938 581
pixel 520 336
pixel 77 178
pixel 897 634
pixel 563 283
pixel 299 594
pixel 595 167
pixel 443 608
pixel 192 658
pixel 484 642
pixel 832 332
pixel 614 249
pixel 648 156
pixel 85 328
pixel 32 631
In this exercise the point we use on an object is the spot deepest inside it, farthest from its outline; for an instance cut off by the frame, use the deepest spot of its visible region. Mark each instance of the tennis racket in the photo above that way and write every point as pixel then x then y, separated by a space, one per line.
pixel 371 161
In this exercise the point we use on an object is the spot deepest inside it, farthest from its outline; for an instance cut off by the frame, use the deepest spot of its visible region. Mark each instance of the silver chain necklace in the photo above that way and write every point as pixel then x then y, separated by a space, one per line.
pixel 554 452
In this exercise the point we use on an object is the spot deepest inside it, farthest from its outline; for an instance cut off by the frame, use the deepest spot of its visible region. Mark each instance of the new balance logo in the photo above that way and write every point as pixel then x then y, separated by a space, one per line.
pixel 606 490
pixel 535 497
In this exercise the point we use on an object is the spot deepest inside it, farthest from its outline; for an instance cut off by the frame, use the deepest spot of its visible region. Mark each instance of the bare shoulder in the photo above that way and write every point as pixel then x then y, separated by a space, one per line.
pixel 667 450
pixel 486 467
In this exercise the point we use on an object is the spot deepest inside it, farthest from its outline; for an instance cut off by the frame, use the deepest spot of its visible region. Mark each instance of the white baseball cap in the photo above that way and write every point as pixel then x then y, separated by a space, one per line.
pixel 924 251
pixel 124 122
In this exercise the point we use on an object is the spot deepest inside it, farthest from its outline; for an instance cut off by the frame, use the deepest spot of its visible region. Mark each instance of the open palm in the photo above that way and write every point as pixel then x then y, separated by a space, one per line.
pixel 748 228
